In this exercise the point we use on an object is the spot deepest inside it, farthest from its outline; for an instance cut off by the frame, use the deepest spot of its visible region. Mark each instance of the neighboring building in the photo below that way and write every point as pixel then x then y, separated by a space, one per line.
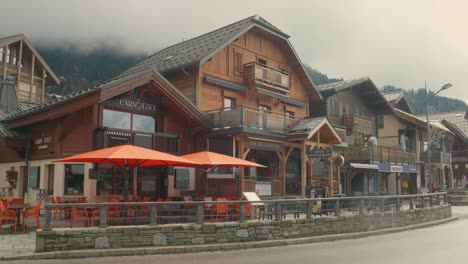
pixel 240 90
pixel 457 122
pixel 398 100
pixel 375 160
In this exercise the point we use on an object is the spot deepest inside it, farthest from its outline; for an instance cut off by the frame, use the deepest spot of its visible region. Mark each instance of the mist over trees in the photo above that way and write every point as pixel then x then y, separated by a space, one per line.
pixel 79 69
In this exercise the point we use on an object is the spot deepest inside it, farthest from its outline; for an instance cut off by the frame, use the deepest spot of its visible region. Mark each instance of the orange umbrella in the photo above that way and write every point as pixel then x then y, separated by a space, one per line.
pixel 210 159
pixel 129 155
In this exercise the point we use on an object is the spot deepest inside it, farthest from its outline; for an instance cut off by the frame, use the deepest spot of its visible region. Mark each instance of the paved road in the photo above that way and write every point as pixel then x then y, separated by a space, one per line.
pixel 446 243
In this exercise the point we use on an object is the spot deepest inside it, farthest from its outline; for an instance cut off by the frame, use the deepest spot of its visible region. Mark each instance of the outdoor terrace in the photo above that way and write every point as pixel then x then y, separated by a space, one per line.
pixel 267 76
pixel 111 137
pixel 251 118
pixel 359 123
pixel 380 154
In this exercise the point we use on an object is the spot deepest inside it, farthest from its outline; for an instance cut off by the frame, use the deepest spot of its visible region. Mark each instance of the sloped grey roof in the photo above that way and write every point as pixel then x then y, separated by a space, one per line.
pixel 376 99
pixel 341 85
pixel 8 98
pixel 305 125
pixel 457 119
pixel 393 98
pixel 200 48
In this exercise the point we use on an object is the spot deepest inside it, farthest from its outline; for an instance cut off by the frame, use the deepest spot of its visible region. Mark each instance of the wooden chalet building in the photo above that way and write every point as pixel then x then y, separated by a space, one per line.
pixel 405 131
pixel 240 90
pixel 457 122
pixel 373 157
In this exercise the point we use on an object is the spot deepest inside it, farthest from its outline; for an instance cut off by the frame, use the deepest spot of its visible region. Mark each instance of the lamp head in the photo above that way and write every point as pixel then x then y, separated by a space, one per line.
pixel 446 86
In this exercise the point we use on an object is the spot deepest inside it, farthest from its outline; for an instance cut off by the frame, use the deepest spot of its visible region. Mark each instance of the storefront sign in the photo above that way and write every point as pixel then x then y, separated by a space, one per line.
pixel 137 104
pixel 263 145
pixel 395 168
pixel 43 142
pixel 319 153
pixel 263 188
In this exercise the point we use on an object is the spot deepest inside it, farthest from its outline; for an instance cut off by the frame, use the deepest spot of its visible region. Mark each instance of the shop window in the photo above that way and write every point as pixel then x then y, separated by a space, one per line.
pixel 34 176
pixel 110 180
pixel 74 178
pixel 116 119
pixel 128 121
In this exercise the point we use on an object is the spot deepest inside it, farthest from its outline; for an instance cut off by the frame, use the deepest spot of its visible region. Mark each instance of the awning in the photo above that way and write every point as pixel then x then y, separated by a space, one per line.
pixel 364 166
pixel 282 98
pixel 225 84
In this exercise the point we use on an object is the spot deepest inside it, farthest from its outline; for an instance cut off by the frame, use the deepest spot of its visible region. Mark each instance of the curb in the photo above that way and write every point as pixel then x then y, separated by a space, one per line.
pixel 92 253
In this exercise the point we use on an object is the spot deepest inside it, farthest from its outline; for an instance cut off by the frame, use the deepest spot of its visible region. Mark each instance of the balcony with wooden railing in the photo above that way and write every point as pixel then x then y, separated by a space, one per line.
pixel 359 124
pixel 267 76
pixel 378 154
pixel 250 117
pixel 437 157
pixel 111 137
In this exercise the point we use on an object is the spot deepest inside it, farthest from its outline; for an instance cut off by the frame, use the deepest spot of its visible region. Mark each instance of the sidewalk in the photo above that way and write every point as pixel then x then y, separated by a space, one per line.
pixel 17 245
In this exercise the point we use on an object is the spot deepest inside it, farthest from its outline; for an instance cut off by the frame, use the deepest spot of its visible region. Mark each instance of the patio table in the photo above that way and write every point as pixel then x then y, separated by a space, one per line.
pixel 18 208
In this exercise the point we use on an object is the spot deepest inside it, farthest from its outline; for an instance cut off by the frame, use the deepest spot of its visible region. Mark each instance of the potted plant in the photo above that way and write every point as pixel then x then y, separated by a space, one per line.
pixel 12 177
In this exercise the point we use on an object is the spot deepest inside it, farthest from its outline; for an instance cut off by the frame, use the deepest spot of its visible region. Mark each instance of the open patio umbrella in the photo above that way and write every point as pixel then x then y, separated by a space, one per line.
pixel 210 160
pixel 130 156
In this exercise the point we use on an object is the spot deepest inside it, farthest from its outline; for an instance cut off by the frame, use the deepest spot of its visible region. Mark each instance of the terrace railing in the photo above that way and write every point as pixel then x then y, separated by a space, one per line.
pixel 378 154
pixel 268 76
pixel 250 117
pixel 111 137
pixel 359 124
pixel 437 157
pixel 160 213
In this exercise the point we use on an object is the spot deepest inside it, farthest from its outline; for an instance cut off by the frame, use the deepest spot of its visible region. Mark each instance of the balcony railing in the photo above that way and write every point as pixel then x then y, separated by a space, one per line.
pixel 437 157
pixel 359 124
pixel 265 75
pixel 111 137
pixel 361 153
pixel 249 117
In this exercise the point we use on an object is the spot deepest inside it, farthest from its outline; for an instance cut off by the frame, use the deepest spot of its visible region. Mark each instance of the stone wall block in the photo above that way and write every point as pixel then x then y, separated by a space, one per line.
pixel 159 239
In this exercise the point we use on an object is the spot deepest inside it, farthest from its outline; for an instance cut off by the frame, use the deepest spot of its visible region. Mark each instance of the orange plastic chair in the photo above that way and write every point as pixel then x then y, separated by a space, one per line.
pixel 220 210
pixel 56 211
pixel 33 213
pixel 78 214
pixel 7 215
pixel 95 217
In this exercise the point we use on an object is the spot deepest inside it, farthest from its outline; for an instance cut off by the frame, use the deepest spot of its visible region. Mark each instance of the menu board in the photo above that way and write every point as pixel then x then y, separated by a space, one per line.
pixel 181 178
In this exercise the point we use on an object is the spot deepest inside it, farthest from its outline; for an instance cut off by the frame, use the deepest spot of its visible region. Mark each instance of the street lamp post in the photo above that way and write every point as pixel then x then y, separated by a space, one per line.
pixel 429 138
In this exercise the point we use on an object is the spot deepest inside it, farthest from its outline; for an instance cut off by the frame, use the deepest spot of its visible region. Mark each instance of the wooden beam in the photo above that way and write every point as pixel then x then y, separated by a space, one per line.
pixel 20 62
pixel 339 179
pixel 303 169
pixel 33 60
pixel 4 62
pixel 240 150
pixel 43 85
pixel 244 155
pixel 330 177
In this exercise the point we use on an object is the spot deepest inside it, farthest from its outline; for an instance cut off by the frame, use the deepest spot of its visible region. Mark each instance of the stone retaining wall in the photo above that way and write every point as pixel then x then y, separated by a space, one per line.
pixel 211 233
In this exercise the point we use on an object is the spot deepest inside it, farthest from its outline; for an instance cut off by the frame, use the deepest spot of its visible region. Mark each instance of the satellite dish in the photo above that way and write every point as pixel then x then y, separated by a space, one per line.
pixel 339 160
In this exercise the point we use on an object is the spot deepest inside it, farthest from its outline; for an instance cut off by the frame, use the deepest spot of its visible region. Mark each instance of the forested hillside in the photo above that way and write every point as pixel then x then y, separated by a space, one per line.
pixel 417 97
pixel 79 70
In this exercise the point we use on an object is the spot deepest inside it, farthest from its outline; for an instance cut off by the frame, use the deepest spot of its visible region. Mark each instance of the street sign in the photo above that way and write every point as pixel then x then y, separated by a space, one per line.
pixel 319 153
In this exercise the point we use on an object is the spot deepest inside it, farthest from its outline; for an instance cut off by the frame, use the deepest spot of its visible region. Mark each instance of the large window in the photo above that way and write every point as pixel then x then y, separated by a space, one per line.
pixel 110 180
pixel 34 176
pixel 128 121
pixel 74 178
pixel 229 103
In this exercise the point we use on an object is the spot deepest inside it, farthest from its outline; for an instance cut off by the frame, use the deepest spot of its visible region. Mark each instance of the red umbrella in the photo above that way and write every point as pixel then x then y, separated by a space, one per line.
pixel 212 159
pixel 130 156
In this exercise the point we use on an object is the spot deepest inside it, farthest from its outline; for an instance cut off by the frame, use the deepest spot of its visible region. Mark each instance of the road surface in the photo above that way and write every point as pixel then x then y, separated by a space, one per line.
pixel 447 243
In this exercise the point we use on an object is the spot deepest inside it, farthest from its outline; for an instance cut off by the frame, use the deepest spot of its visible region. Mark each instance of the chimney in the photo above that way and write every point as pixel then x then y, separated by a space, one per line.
pixel 8 97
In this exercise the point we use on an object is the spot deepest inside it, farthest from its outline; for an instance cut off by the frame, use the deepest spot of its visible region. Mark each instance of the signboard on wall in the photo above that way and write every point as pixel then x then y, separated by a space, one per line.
pixel 319 153
pixel 263 188
pixel 137 104
pixel 263 145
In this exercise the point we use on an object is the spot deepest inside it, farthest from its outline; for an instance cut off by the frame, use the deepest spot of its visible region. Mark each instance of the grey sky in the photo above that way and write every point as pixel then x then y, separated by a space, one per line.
pixel 394 42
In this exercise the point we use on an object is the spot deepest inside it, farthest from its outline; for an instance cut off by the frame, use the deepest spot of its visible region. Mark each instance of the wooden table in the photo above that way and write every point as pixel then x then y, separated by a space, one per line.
pixel 18 208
